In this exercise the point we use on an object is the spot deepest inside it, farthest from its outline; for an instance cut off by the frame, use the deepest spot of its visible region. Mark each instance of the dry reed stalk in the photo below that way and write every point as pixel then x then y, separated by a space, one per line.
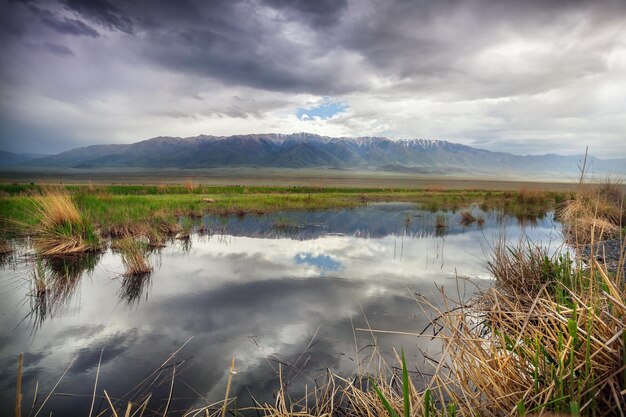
pixel 106 395
pixel 231 372
pixel 95 384
pixel 169 397
pixel 18 389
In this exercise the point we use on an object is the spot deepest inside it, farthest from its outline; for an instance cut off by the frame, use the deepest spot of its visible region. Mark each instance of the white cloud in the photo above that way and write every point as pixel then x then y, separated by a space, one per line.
pixel 516 77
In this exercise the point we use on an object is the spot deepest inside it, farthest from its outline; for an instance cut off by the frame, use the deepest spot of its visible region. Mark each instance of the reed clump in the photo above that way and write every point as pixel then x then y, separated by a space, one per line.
pixel 553 342
pixel 185 229
pixel 5 248
pixel 529 196
pixel 596 211
pixel 61 229
pixel 133 251
pixel 467 218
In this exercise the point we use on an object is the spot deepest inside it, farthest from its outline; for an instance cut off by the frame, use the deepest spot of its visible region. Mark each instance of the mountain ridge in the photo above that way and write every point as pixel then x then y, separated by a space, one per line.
pixel 306 150
pixel 12 158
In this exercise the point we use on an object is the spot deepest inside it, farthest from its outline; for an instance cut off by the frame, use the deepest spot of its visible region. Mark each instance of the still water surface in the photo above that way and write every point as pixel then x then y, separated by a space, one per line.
pixel 281 291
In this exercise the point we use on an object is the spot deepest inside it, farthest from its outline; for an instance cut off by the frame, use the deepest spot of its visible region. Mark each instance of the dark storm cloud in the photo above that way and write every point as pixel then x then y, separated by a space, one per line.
pixel 64 25
pixel 238 44
pixel 427 44
pixel 405 68
pixel 103 12
pixel 88 357
pixel 316 13
pixel 57 49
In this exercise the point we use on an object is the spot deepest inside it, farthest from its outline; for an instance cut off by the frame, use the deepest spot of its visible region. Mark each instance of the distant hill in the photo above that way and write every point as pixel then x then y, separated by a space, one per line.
pixel 304 150
pixel 10 158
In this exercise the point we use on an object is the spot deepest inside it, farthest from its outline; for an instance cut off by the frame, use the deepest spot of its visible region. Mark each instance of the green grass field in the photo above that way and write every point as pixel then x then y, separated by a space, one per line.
pixel 117 207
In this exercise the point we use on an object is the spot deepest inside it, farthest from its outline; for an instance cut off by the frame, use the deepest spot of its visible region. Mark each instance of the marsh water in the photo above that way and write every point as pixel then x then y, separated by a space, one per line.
pixel 286 294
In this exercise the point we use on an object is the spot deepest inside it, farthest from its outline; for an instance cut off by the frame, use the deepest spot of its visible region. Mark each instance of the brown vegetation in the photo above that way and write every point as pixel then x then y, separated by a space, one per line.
pixel 132 251
pixel 467 217
pixel 531 196
pixel 60 228
pixel 596 211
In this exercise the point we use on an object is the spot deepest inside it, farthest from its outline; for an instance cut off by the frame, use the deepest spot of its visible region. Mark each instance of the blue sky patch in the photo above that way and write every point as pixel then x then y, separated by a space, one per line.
pixel 327 109
pixel 323 262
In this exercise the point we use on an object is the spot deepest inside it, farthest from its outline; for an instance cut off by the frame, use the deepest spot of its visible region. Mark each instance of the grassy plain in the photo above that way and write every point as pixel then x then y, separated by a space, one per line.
pixel 117 209
pixel 285 177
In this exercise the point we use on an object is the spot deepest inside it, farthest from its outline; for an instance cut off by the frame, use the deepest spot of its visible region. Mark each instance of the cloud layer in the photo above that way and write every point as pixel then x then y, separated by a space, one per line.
pixel 526 77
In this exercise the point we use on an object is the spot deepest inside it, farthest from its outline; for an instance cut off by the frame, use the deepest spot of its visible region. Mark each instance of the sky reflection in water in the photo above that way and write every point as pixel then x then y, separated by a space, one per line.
pixel 286 288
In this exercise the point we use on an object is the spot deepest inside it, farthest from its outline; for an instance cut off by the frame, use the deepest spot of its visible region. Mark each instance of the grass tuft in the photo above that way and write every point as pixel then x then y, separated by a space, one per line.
pixel 467 218
pixel 133 251
pixel 61 229
pixel 597 211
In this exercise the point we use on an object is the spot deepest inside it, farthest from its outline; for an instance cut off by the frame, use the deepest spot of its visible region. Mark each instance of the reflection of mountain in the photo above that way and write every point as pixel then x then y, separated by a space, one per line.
pixel 372 221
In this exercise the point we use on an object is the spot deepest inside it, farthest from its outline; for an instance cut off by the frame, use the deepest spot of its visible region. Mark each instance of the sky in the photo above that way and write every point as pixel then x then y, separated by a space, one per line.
pixel 527 77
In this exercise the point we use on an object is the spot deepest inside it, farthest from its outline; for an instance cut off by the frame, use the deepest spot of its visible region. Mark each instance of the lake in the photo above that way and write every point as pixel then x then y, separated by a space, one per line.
pixel 287 293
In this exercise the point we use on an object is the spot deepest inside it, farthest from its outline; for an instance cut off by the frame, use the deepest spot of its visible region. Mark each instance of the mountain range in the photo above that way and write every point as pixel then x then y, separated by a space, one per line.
pixel 304 150
pixel 10 158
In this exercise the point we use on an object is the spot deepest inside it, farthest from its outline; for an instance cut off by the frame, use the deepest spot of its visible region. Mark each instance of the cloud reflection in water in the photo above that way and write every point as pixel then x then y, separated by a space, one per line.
pixel 293 300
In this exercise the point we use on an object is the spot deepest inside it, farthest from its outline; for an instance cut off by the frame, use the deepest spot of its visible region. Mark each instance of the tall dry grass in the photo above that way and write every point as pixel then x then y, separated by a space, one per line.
pixel 531 196
pixel 61 229
pixel 597 210
pixel 548 336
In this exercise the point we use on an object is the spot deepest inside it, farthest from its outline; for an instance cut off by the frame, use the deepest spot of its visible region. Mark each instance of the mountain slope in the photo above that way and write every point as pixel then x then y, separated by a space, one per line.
pixel 304 150
pixel 10 158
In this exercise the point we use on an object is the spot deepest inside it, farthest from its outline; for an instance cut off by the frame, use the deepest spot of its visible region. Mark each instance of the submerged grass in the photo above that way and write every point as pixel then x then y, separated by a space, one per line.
pixel 133 251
